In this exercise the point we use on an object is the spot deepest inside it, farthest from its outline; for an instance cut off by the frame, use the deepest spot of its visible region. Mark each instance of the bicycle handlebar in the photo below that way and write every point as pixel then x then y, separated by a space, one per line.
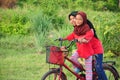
pixel 71 43
pixel 61 41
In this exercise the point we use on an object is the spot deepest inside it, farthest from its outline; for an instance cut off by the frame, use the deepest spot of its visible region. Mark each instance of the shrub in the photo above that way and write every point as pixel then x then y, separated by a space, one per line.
pixel 102 5
pixel 14 22
pixel 108 29
pixel 41 26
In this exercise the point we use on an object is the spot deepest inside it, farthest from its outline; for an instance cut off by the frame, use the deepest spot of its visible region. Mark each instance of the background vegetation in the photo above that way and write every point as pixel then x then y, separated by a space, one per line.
pixel 27 26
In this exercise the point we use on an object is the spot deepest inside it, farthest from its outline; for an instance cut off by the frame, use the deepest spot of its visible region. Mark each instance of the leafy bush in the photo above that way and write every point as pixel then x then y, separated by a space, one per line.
pixel 108 29
pixel 99 5
pixel 14 22
pixel 41 26
pixel 102 5
pixel 112 5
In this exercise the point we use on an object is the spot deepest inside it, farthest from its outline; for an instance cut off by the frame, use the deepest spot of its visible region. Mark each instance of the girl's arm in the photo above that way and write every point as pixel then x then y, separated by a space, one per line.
pixel 69 37
pixel 87 37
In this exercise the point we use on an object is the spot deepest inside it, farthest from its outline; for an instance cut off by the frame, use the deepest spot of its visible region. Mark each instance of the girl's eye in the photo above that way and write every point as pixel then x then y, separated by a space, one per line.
pixel 78 19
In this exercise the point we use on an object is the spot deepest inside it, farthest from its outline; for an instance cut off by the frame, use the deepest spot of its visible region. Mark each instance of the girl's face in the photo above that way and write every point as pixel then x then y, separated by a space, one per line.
pixel 79 20
pixel 72 20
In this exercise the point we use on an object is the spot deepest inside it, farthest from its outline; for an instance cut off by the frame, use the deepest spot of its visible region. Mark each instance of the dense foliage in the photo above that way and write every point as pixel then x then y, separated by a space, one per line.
pixel 49 19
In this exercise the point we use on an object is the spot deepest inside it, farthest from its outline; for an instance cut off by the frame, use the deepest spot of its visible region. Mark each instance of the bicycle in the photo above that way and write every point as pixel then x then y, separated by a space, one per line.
pixel 55 56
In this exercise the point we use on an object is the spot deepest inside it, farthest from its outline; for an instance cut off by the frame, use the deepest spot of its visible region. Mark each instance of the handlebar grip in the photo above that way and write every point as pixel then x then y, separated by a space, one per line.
pixel 59 39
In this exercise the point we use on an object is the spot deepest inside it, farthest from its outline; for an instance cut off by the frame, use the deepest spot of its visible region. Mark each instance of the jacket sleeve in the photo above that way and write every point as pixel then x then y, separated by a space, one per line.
pixel 89 35
pixel 70 37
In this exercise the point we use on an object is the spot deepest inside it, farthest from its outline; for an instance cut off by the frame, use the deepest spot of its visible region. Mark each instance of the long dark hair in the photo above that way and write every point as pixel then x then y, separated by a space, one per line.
pixel 92 27
pixel 74 13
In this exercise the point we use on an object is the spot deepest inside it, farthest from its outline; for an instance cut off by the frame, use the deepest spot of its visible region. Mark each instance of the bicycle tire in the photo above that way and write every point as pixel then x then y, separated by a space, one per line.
pixel 110 72
pixel 53 75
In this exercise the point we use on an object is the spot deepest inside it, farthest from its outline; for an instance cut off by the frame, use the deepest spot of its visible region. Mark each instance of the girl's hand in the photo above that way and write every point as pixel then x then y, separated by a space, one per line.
pixel 63 48
pixel 82 40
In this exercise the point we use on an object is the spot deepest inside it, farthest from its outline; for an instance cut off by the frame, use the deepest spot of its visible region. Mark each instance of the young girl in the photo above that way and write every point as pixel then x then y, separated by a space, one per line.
pixel 83 33
pixel 75 55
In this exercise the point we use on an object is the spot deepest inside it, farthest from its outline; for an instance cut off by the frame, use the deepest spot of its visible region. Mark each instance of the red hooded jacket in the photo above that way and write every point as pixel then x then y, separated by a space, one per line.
pixel 85 50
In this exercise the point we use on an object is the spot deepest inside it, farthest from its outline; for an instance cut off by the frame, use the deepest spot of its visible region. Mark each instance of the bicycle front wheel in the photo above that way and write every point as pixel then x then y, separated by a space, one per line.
pixel 110 72
pixel 54 75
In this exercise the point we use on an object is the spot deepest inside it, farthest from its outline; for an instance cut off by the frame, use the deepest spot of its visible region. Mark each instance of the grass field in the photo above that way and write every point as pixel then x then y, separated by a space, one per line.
pixel 17 63
pixel 21 66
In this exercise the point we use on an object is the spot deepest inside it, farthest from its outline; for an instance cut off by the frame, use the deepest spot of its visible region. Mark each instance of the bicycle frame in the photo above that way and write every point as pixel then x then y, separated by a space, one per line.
pixel 69 69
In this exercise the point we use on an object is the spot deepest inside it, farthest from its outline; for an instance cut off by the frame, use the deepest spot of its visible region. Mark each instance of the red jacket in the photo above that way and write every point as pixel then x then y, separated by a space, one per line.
pixel 85 50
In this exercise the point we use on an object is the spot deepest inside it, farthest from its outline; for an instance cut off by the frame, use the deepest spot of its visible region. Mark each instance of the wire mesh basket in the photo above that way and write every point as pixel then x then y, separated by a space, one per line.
pixel 54 55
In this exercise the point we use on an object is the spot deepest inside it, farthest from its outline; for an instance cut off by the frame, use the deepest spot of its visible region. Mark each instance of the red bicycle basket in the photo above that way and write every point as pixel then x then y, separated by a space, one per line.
pixel 54 55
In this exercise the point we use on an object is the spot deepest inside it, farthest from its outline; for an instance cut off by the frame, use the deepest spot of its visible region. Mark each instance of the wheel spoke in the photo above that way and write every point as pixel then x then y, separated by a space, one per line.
pixel 55 76
pixel 109 75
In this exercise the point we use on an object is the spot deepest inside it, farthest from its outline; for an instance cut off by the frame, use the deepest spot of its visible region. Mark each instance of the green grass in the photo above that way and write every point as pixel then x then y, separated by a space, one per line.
pixel 21 67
